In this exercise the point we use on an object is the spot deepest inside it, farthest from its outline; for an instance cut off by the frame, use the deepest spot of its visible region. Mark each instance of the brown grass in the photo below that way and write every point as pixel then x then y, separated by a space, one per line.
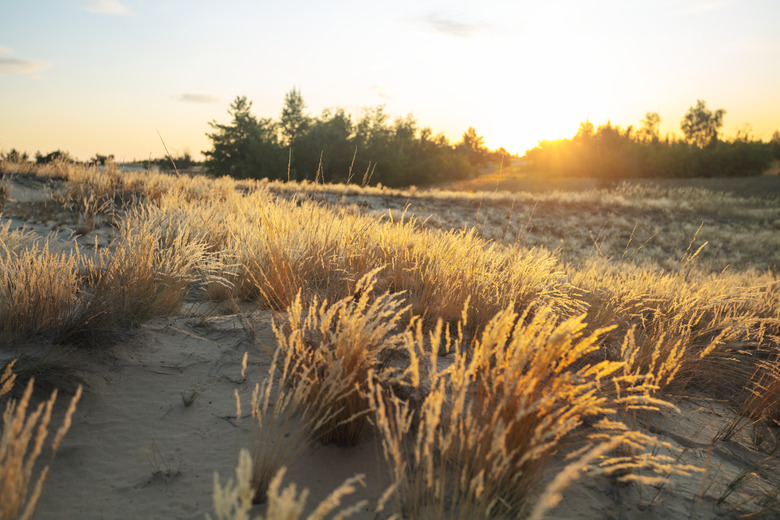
pixel 491 421
pixel 331 350
pixel 37 290
pixel 278 434
pixel 581 307
pixel 234 500
pixel 23 438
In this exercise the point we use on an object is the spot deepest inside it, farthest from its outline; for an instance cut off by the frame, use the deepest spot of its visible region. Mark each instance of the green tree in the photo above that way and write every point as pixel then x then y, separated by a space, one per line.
pixel 101 160
pixel 473 146
pixel 293 121
pixel 372 126
pixel 650 127
pixel 502 157
pixel 326 145
pixel 372 138
pixel 57 155
pixel 246 147
pixel 700 125
pixel 775 145
pixel 585 132
pixel 15 156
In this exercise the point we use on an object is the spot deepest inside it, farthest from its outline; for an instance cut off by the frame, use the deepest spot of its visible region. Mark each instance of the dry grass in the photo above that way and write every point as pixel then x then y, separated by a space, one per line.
pixel 234 500
pixel 147 273
pixel 638 223
pixel 278 435
pixel 526 378
pixel 37 289
pixel 700 324
pixel 76 297
pixel 561 311
pixel 23 438
pixel 329 352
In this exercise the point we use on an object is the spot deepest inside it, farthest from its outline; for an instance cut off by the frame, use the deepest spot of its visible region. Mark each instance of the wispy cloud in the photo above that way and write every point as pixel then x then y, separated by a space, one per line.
pixel 105 7
pixel 14 65
pixel 380 90
pixel 451 26
pixel 21 66
pixel 197 98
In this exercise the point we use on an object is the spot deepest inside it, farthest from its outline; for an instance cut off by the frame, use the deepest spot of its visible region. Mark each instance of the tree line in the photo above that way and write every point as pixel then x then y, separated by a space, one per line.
pixel 612 152
pixel 332 147
pixel 16 156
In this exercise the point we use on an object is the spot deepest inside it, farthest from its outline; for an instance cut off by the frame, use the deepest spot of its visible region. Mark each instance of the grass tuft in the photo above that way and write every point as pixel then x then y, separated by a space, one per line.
pixel 234 500
pixel 330 351
pixel 23 437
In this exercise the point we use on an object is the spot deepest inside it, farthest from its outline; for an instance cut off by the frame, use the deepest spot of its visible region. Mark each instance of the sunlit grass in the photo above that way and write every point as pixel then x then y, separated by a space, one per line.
pixel 333 350
pixel 233 501
pixel 492 420
pixel 550 346
pixel 24 433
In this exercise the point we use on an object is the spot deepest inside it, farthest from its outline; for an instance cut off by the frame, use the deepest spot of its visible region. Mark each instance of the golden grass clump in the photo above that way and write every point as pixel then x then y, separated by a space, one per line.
pixel 273 248
pixel 23 438
pixel 11 241
pixel 37 290
pixel 329 351
pixel 145 274
pixel 288 248
pixel 234 500
pixel 495 417
pixel 683 325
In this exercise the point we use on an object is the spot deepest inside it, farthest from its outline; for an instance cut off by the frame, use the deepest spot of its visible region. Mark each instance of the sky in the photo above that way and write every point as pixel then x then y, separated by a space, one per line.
pixel 112 76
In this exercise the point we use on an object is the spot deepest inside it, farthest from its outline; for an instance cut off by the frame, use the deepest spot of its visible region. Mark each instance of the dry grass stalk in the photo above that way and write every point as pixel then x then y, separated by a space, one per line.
pixel 13 241
pixel 23 438
pixel 330 350
pixel 146 274
pixel 278 433
pixel 496 416
pixel 37 290
pixel 234 501
pixel 597 458
pixel 676 325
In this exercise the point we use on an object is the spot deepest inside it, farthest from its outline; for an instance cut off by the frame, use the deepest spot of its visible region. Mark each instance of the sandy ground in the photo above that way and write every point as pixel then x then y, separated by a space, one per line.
pixel 136 450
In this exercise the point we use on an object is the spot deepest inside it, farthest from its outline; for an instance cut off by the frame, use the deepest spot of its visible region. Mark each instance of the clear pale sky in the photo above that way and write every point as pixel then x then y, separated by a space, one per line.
pixel 103 76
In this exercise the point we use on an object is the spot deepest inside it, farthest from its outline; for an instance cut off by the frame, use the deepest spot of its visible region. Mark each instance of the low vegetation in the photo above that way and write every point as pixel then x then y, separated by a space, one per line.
pixel 234 500
pixel 474 353
pixel 24 433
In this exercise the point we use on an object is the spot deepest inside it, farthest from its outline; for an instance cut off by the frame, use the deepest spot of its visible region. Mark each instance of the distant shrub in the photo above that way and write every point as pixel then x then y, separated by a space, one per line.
pixel 57 155
pixel 15 156
pixel 101 160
